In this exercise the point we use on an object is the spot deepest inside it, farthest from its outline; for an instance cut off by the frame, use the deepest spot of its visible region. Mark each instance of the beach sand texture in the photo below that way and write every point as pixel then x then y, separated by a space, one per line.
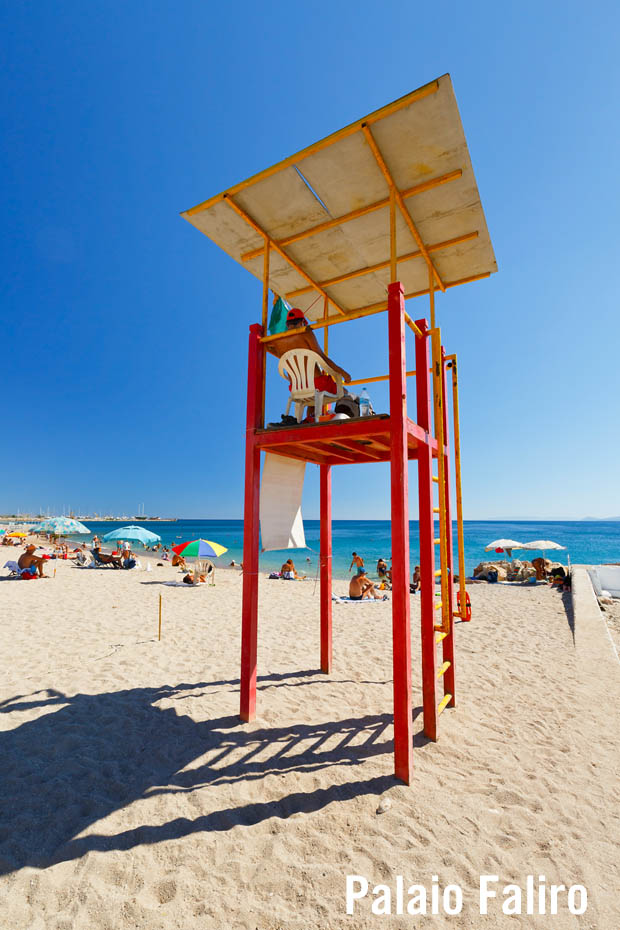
pixel 132 796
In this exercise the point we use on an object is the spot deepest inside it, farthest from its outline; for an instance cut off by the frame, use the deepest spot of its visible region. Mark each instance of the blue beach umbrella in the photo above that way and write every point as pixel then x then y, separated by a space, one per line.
pixel 136 533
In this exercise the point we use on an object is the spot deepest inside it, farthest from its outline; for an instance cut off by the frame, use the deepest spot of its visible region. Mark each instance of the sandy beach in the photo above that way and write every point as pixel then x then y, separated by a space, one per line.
pixel 133 796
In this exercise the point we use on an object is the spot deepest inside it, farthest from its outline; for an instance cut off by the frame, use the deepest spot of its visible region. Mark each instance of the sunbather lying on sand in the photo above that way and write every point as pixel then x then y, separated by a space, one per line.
pixel 193 579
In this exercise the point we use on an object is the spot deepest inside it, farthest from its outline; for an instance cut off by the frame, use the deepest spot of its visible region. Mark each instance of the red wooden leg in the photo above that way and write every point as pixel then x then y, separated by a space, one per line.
pixel 326 568
pixel 399 461
pixel 427 533
pixel 249 627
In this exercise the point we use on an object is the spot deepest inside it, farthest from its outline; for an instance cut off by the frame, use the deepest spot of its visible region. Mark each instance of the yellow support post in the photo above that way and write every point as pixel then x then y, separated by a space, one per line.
pixel 438 403
pixel 265 320
pixel 457 482
pixel 392 235
pixel 326 329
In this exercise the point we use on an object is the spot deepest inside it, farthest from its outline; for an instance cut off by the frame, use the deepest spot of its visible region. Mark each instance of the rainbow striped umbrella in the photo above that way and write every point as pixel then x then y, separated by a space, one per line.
pixel 200 549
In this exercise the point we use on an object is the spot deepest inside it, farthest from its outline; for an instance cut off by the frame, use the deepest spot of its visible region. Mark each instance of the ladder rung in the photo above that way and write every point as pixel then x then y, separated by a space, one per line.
pixel 443 669
pixel 438 605
pixel 444 703
pixel 440 637
pixel 438 572
pixel 440 629
pixel 436 478
pixel 435 509
pixel 437 542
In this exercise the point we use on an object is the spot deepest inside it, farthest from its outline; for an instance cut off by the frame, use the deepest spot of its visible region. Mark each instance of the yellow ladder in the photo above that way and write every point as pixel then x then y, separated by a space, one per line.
pixel 438 410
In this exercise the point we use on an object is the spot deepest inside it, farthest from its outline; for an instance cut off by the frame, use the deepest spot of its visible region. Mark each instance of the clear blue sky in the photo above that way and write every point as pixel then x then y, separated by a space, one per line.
pixel 124 330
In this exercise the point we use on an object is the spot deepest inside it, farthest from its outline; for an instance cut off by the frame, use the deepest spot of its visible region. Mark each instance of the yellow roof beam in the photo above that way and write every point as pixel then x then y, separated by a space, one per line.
pixel 361 211
pixel 380 265
pixel 228 199
pixel 401 203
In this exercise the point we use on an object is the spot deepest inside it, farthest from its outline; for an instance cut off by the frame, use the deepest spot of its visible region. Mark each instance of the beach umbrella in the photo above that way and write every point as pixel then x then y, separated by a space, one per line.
pixel 506 544
pixel 544 545
pixel 63 526
pixel 200 549
pixel 136 533
pixel 18 534
pixel 503 544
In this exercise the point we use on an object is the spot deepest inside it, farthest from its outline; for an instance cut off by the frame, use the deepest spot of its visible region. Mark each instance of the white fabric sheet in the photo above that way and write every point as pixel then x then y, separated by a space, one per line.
pixel 282 484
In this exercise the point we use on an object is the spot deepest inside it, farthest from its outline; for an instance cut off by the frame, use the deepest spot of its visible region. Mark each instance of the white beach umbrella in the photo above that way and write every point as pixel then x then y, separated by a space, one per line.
pixel 506 544
pixel 543 545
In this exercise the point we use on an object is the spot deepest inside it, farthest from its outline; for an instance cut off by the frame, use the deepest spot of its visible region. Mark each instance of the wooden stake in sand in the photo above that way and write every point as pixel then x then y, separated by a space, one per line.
pixel 159 636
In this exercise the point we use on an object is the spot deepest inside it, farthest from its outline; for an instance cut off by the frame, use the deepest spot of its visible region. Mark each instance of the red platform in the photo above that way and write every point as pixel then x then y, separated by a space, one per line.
pixel 342 442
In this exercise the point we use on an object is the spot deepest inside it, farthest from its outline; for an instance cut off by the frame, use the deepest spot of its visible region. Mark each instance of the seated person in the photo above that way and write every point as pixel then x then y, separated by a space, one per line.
pixel 417 577
pixel 288 571
pixel 29 560
pixel 180 561
pixel 541 571
pixel 128 557
pixel 302 337
pixel 361 586
pixel 105 559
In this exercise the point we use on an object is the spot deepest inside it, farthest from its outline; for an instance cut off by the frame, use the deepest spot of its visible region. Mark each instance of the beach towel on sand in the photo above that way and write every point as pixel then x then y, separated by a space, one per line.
pixel 349 600
pixel 184 584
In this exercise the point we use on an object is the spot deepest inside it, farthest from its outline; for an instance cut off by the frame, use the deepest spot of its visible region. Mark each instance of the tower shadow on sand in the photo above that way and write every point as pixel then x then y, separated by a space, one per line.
pixel 87 756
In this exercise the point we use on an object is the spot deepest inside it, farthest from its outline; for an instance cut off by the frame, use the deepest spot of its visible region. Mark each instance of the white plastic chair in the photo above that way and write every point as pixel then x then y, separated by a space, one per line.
pixel 300 365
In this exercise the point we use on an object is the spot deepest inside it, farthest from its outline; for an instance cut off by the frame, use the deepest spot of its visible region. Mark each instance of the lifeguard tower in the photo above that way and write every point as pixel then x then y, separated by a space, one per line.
pixel 384 210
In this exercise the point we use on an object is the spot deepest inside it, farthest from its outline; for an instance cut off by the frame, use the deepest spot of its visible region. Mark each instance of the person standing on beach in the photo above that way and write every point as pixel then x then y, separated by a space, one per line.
pixel 358 561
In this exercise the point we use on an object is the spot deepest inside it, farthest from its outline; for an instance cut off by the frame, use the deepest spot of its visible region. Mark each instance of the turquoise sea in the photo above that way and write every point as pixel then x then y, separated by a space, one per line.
pixel 585 541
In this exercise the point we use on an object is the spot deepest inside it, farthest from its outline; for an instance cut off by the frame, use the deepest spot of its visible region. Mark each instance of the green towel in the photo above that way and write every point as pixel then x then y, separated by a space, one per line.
pixel 277 321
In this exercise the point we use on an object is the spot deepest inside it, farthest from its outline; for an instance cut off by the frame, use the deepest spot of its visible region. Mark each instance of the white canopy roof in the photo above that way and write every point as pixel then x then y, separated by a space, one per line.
pixel 326 209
